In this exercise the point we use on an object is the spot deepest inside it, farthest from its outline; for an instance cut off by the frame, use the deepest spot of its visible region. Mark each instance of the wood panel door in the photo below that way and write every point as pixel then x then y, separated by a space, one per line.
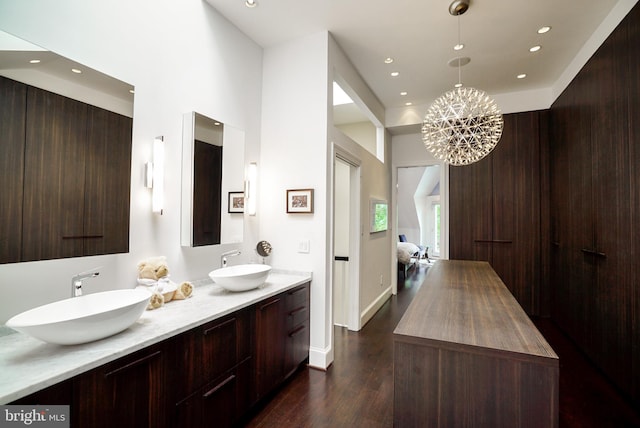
pixel 495 209
pixel 611 297
pixel 13 101
pixel 470 212
pixel 130 392
pixel 108 182
pixel 54 179
pixel 516 224
pixel 633 25
pixel 270 344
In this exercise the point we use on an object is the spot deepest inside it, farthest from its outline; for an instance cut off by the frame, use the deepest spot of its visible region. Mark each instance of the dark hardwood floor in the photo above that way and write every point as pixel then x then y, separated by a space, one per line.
pixel 357 389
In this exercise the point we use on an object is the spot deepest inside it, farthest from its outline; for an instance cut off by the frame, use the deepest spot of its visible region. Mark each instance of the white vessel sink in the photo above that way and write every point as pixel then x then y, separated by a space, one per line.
pixel 84 318
pixel 241 277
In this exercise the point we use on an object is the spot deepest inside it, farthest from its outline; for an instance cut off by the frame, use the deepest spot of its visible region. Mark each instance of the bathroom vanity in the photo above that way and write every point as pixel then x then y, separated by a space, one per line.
pixel 466 354
pixel 204 361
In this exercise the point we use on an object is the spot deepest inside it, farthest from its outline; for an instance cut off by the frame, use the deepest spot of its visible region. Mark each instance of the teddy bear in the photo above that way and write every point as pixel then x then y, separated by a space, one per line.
pixel 153 274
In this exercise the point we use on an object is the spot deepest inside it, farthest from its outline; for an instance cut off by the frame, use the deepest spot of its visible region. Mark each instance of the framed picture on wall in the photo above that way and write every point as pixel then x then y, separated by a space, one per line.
pixel 300 201
pixel 236 202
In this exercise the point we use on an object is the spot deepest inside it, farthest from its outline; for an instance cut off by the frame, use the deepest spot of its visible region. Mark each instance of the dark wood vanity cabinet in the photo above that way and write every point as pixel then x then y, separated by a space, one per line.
pixel 209 376
pixel 131 391
pixel 282 337
pixel 297 328
pixel 214 389
pixel 70 167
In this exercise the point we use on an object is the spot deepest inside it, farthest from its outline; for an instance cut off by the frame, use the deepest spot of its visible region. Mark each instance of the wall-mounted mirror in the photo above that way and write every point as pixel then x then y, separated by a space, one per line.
pixel 212 182
pixel 66 137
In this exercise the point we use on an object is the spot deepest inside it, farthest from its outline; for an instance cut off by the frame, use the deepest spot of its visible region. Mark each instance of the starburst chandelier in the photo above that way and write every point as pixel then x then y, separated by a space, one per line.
pixel 464 125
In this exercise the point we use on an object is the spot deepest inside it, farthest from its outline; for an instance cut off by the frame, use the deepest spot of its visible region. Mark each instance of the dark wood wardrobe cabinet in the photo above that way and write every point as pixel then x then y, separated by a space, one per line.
pixel 69 168
pixel 495 208
pixel 593 187
pixel 13 99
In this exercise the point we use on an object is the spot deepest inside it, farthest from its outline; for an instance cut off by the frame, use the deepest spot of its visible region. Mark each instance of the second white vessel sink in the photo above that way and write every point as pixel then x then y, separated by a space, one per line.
pixel 241 277
pixel 83 319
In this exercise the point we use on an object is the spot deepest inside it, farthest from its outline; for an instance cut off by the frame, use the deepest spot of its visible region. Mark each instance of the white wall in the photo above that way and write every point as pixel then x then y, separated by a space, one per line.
pixel 363 133
pixel 377 251
pixel 294 155
pixel 180 56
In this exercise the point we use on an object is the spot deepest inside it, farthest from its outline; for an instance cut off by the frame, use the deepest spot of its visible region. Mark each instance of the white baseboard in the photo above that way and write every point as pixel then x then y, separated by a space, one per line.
pixel 320 358
pixel 371 310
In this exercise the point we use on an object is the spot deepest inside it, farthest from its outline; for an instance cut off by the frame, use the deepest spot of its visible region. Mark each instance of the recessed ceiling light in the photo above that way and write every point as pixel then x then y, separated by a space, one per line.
pixel 458 47
pixel 535 48
pixel 544 29
pixel 521 76
pixel 403 93
pixel 250 3
pixel 408 104
pixel 217 123
pixel 132 91
pixel 458 85
pixel 395 74
pixel 35 61
pixel 75 70
pixel 388 60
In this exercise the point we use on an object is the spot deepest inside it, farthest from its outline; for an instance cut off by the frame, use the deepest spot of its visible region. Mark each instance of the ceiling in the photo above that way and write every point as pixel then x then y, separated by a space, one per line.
pixel 420 34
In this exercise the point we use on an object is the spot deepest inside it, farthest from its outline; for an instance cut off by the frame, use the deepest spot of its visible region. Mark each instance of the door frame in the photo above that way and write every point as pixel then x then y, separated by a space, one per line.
pixel 444 210
pixel 353 317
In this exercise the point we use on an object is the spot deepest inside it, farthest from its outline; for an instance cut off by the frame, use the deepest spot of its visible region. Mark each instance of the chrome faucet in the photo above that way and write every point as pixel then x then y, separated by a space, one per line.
pixel 76 282
pixel 223 257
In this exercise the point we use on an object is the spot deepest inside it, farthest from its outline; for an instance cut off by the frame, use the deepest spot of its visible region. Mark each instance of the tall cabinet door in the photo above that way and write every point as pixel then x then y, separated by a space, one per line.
pixel 107 183
pixel 612 295
pixel 495 209
pixel 634 132
pixel 54 183
pixel 516 208
pixel 13 98
pixel 470 211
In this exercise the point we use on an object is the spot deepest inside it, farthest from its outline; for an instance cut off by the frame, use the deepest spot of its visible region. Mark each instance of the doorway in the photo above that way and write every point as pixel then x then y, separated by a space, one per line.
pixel 420 207
pixel 346 243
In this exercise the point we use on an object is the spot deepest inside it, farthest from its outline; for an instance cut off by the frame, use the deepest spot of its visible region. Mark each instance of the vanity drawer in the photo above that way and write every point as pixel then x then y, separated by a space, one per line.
pixel 297 297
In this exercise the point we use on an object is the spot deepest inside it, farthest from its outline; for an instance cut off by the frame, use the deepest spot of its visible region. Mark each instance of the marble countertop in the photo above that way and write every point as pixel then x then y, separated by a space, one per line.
pixel 28 365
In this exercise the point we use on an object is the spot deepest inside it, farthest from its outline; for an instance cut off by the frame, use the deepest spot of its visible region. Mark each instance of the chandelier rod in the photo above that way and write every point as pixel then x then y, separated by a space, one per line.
pixel 459 67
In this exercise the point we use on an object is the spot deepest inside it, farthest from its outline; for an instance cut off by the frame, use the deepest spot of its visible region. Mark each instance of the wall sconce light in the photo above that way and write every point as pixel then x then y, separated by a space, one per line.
pixel 252 188
pixel 157 175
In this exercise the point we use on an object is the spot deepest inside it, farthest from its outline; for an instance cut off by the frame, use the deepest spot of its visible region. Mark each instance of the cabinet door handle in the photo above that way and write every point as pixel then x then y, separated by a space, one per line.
pixel 295 311
pixel 493 241
pixel 209 330
pixel 218 386
pixel 593 252
pixel 133 364
pixel 297 330
pixel 82 236
pixel 266 305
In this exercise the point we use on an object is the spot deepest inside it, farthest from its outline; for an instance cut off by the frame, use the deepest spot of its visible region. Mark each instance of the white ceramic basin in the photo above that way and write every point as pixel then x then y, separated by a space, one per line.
pixel 241 277
pixel 84 318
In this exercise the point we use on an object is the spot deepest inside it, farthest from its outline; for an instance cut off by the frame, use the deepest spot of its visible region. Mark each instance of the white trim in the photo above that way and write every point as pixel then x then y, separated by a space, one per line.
pixel 320 358
pixel 371 310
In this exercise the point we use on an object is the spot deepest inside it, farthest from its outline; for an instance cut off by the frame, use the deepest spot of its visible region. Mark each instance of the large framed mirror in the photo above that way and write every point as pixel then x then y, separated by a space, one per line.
pixel 212 182
pixel 65 156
